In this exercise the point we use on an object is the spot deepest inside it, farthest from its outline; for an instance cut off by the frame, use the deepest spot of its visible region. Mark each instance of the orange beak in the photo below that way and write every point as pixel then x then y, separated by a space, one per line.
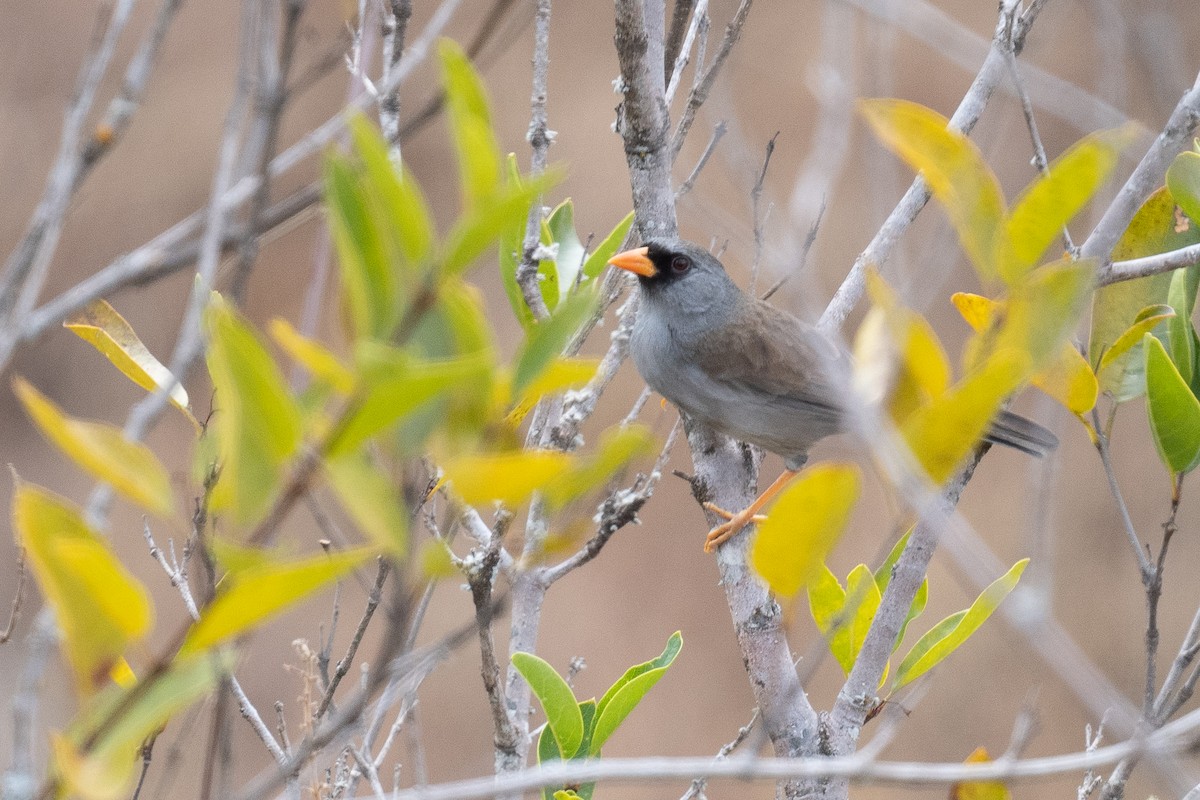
pixel 636 261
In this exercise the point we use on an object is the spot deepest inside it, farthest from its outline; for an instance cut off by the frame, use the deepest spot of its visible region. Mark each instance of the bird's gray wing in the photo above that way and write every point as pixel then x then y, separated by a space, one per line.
pixel 772 353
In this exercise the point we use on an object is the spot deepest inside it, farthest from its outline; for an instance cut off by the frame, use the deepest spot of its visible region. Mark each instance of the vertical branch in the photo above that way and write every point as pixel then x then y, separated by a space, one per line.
pixel 539 137
pixel 395 25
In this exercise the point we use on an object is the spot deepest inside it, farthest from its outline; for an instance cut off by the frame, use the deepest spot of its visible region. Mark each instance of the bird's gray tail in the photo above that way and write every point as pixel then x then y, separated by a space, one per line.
pixel 1013 430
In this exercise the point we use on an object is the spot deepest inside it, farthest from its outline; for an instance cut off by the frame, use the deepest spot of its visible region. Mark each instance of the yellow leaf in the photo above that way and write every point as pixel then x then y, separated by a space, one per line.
pixel 1043 310
pixel 980 790
pixel 944 432
pixel 504 477
pixel 313 356
pixel 101 608
pixel 103 451
pixel 1068 378
pixel 803 525
pixel 955 171
pixel 257 594
pixel 104 329
pixel 562 374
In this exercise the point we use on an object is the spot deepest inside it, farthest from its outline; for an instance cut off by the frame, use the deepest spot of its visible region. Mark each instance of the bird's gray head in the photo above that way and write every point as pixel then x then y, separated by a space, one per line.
pixel 679 273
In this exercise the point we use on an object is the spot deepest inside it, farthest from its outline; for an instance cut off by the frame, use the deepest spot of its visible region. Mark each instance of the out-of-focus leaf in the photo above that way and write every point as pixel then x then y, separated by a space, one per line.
pixel 103 328
pixel 1067 378
pixel 256 595
pixel 367 274
pixel 546 340
pixel 569 259
pixel 1183 181
pixel 1156 228
pixel 979 790
pixel 941 434
pixel 624 695
pixel 480 228
pixel 436 560
pixel 560 375
pixel 598 260
pixel 1050 201
pixel 470 125
pixel 407 212
pixel 257 422
pixel 371 500
pixel 1122 368
pixel 949 634
pixel 511 250
pixel 1043 309
pixel 504 477
pixel 1174 411
pixel 617 447
pixel 235 558
pixel 107 770
pixel 558 701
pixel 100 607
pixel 803 525
pixel 103 451
pixel 322 364
pixel 955 171
pixel 397 385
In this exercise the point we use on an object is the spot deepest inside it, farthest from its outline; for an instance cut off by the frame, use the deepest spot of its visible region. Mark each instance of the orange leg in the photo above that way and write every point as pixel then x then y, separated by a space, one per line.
pixel 724 532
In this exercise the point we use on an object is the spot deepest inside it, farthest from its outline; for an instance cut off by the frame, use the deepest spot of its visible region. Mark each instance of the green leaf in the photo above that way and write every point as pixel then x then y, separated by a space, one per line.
pixel 369 497
pixel 1156 228
pixel 106 771
pixel 956 173
pixel 1182 298
pixel 803 525
pixel 949 634
pixel 103 328
pixel 563 716
pixel 397 385
pixel 568 261
pixel 259 593
pixel 366 270
pixel 845 616
pixel 257 422
pixel 1049 202
pixel 480 227
pixel 1174 411
pixel 470 124
pixel 598 260
pixel 1183 181
pixel 101 608
pixel 624 695
pixel 546 340
pixel 322 364
pixel 407 212
pixel 103 451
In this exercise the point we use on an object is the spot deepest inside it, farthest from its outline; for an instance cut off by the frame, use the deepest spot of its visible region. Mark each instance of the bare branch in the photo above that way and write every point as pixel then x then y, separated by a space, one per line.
pixel 540 138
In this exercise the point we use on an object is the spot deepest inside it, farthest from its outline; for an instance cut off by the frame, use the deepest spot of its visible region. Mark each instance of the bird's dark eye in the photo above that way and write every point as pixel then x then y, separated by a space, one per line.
pixel 680 264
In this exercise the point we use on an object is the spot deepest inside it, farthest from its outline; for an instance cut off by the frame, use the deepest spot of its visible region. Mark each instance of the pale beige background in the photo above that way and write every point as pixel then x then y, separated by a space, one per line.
pixel 651 579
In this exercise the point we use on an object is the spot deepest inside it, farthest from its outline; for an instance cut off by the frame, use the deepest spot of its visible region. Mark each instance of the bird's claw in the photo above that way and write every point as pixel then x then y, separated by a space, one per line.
pixel 726 531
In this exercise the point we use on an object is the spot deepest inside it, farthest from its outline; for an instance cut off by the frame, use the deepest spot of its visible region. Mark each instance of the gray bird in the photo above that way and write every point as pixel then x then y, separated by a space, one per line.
pixel 745 368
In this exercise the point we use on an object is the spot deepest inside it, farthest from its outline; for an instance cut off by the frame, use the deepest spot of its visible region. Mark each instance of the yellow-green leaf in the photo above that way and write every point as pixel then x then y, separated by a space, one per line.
pixel 257 421
pixel 470 123
pixel 107 769
pixel 598 259
pixel 369 497
pixel 560 375
pixel 558 701
pixel 949 634
pixel 1043 309
pixel 104 329
pixel 844 615
pixel 255 595
pixel 803 525
pixel 941 434
pixel 1174 411
pixel 504 477
pixel 1183 181
pixel 955 170
pixel 1050 201
pixel 101 608
pixel 322 364
pixel 103 451
pixel 616 448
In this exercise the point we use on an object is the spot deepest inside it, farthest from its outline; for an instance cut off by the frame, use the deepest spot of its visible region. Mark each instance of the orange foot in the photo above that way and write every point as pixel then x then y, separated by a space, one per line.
pixel 725 531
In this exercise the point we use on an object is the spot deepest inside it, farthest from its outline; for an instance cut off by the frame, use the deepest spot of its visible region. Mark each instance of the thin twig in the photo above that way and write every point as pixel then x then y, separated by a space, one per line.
pixel 15 609
pixel 759 219
pixel 718 131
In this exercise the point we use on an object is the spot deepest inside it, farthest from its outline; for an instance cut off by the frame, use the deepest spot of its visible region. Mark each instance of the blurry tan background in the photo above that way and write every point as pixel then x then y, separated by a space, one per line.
pixel 1122 58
